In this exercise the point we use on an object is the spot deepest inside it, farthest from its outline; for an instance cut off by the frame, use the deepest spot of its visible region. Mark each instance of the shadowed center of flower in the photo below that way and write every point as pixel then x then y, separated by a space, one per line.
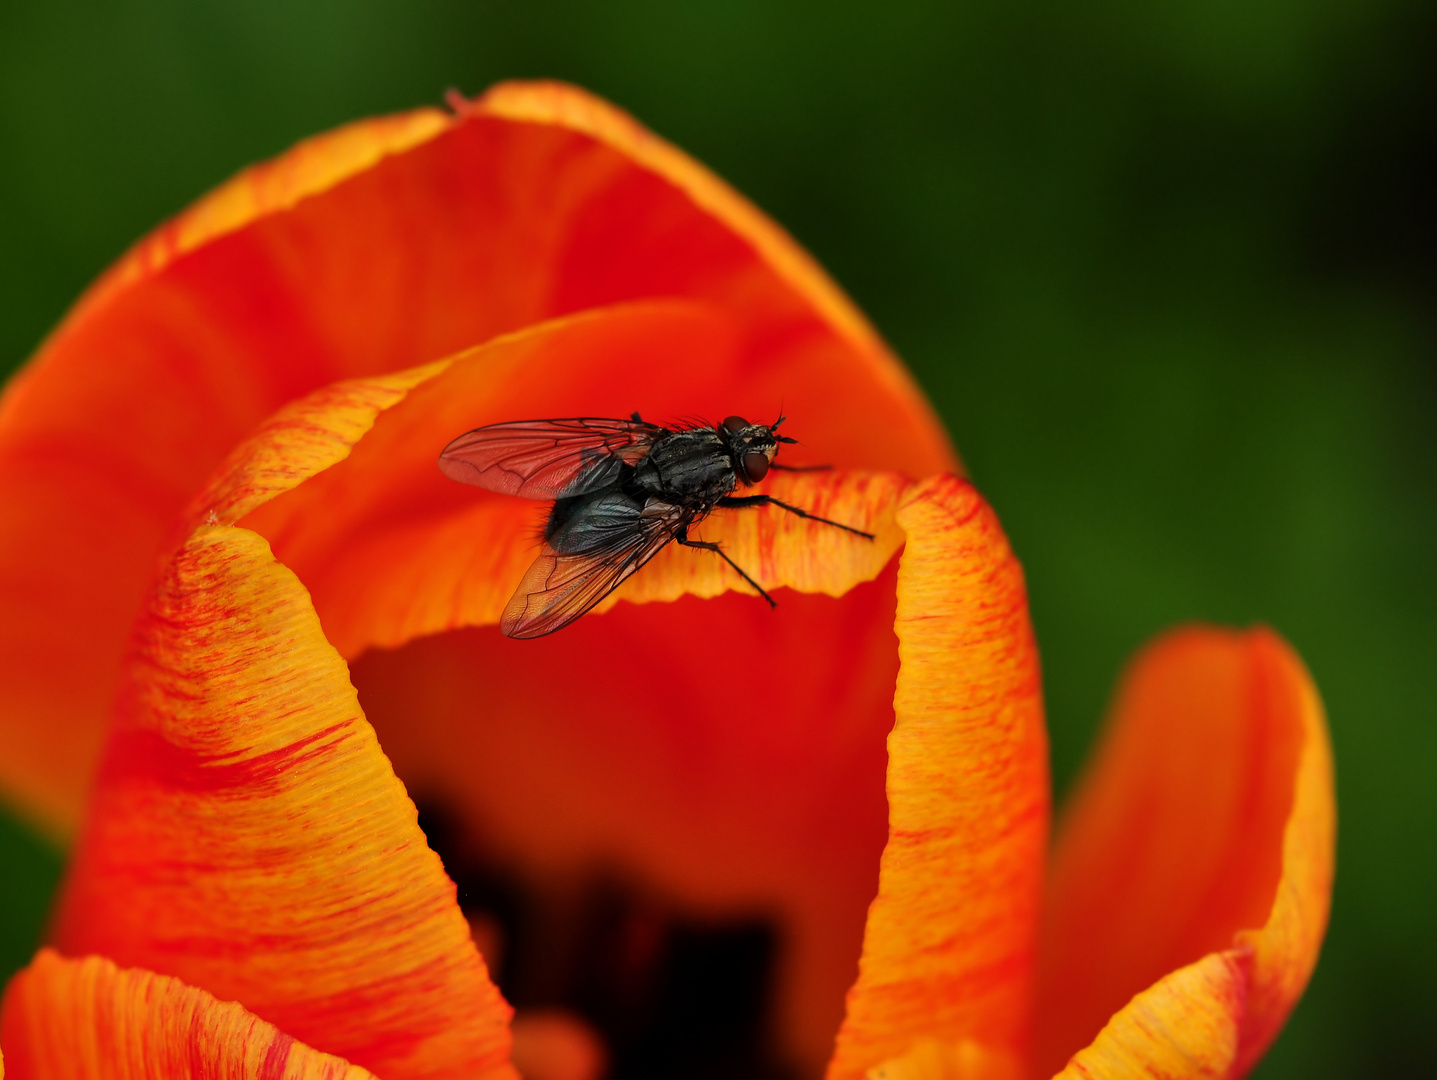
pixel 652 988
pixel 666 819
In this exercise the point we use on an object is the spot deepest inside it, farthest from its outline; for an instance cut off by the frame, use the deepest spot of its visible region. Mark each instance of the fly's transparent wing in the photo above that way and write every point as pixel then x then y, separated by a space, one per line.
pixel 548 459
pixel 599 546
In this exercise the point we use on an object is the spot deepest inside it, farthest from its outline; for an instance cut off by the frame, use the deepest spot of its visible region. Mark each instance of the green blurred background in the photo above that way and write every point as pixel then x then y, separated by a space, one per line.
pixel 1167 271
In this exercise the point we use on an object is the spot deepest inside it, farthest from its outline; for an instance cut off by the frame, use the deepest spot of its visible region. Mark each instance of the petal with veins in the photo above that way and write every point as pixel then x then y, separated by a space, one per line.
pixel 247 834
pixel 949 946
pixel 90 1020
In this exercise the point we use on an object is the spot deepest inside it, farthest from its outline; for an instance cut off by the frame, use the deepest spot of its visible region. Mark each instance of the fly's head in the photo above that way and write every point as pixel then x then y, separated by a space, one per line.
pixel 752 446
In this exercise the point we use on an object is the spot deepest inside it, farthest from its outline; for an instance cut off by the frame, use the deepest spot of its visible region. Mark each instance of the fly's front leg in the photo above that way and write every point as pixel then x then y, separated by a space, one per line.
pixel 682 537
pixel 740 502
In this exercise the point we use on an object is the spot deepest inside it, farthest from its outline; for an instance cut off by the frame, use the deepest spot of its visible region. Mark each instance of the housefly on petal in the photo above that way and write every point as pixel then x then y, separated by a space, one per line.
pixel 623 490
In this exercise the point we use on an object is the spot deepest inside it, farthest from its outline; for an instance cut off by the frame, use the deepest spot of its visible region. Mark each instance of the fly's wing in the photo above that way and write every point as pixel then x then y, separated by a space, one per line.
pixel 548 459
pixel 596 549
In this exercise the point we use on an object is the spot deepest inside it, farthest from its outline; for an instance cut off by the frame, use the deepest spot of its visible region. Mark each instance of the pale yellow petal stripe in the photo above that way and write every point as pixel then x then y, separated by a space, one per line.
pixel 1285 950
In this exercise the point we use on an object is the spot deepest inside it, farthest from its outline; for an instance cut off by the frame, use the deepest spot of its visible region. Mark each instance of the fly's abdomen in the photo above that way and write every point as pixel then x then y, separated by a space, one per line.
pixel 592 522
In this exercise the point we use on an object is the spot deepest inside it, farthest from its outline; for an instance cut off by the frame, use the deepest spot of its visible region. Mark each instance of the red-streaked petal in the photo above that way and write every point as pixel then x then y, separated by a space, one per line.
pixel 948 953
pixel 247 835
pixel 1194 866
pixel 90 1020
pixel 388 244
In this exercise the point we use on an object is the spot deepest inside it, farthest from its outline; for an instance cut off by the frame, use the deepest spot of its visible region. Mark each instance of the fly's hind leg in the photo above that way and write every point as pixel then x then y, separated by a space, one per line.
pixel 739 502
pixel 683 538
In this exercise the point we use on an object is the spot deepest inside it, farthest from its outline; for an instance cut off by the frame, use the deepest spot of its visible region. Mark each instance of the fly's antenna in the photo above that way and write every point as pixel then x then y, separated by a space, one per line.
pixel 773 427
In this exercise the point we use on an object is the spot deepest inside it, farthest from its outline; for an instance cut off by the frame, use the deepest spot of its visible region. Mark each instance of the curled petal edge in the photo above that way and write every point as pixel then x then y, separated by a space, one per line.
pixel 950 943
pixel 212 850
pixel 1217 1016
pixel 323 161
pixel 90 1019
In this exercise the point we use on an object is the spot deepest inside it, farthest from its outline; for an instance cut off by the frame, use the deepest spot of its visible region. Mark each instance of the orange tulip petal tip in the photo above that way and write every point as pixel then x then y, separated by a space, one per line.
pixel 1193 866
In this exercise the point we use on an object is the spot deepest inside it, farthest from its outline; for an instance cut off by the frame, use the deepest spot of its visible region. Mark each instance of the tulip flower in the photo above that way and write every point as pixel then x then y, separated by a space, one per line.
pixel 248 617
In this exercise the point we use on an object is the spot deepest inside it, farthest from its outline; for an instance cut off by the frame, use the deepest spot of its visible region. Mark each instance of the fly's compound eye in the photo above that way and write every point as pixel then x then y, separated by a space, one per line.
pixel 734 424
pixel 755 466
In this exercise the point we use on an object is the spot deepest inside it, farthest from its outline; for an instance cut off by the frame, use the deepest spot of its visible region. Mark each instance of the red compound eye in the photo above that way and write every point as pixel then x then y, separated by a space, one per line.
pixel 755 466
pixel 734 424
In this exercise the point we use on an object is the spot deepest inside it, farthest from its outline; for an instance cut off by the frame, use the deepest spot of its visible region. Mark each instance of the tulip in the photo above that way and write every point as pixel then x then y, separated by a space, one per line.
pixel 244 603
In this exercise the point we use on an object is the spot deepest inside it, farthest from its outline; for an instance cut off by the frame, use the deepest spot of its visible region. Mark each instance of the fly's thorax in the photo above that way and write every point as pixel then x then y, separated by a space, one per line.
pixel 688 466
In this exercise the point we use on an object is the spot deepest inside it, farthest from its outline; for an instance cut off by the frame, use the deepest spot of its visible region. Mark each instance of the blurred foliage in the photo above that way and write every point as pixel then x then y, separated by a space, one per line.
pixel 1166 269
pixel 29 872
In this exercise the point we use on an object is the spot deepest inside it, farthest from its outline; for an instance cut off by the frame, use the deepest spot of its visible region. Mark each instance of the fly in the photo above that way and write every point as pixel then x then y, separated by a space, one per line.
pixel 623 490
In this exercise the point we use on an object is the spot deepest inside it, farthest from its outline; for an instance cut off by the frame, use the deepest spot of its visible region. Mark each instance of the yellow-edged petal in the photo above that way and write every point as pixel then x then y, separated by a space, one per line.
pixel 948 953
pixel 1193 871
pixel 90 1020
pixel 246 833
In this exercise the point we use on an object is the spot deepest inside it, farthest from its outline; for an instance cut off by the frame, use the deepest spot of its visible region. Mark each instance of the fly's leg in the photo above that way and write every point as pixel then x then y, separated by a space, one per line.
pixel 740 502
pixel 800 468
pixel 683 538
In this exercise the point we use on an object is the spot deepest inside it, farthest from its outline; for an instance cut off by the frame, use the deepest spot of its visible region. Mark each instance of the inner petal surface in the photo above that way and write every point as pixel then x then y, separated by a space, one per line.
pixel 728 756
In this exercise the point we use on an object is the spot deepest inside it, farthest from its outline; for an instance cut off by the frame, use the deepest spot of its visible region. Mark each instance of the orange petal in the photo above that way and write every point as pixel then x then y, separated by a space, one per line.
pixel 949 948
pixel 246 833
pixel 90 1020
pixel 387 244
pixel 1194 866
